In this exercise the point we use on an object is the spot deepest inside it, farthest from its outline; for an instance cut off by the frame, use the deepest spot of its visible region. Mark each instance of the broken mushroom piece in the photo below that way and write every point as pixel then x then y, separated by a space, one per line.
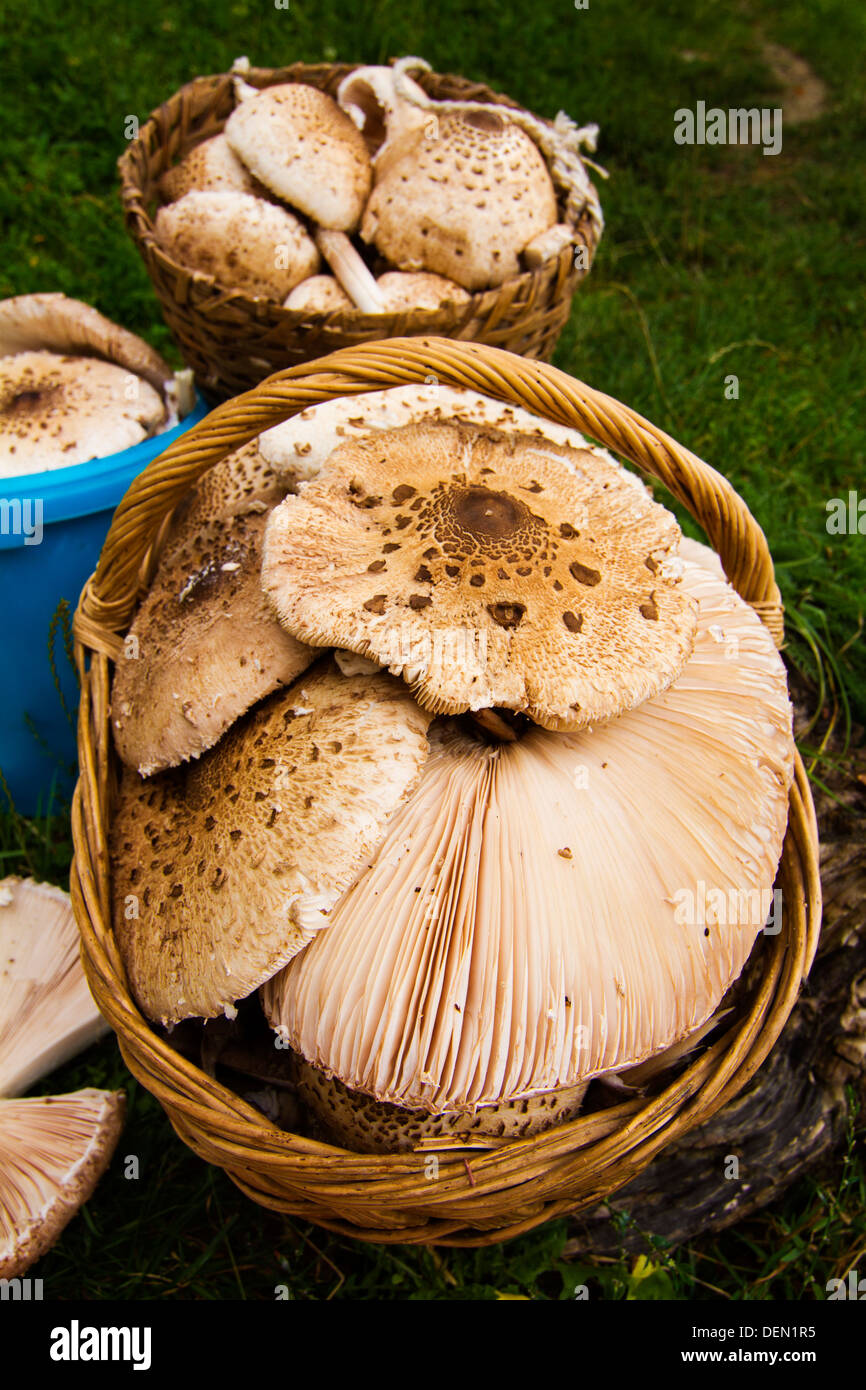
pixel 379 107
pixel 209 167
pixel 526 924
pixel 202 649
pixel 461 196
pixel 298 142
pixel 47 1013
pixel 53 1151
pixel 57 411
pixel 243 242
pixel 487 570
pixel 227 868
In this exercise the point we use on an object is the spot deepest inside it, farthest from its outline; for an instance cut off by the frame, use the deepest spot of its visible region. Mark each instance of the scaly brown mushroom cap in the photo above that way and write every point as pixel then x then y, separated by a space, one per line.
pixel 298 142
pixel 224 870
pixel 56 411
pixel 203 647
pixel 243 242
pixel 53 1151
pixel 210 167
pixel 46 1010
pixel 565 905
pixel 486 570
pixel 460 196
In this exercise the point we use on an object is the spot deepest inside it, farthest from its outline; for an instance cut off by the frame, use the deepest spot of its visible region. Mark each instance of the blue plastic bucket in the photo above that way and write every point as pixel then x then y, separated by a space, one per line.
pixel 52 527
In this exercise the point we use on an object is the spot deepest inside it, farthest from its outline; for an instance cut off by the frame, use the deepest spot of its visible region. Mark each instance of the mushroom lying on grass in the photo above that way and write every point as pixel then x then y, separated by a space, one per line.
pixel 53 1149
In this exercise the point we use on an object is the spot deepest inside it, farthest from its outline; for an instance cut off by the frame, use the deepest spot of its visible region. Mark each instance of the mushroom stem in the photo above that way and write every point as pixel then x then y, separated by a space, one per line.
pixel 493 723
pixel 350 270
pixel 547 245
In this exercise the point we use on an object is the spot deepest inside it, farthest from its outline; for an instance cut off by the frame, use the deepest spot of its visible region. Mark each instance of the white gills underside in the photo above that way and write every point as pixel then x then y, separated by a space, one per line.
pixel 538 913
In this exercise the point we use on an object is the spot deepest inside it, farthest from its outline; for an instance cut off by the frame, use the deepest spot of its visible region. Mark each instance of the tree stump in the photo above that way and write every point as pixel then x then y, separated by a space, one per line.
pixel 794 1113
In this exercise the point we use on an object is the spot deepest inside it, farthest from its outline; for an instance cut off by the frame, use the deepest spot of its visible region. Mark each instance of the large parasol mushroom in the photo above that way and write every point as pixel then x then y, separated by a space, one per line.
pixel 227 868
pixel 526 925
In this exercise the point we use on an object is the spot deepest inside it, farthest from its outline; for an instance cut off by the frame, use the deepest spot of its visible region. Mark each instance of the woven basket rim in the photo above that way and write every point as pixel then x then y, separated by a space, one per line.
pixel 135 206
pixel 479 1196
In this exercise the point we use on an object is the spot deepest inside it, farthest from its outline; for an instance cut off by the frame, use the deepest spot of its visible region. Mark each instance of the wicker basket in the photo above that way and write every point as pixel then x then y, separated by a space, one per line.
pixel 478 1197
pixel 232 341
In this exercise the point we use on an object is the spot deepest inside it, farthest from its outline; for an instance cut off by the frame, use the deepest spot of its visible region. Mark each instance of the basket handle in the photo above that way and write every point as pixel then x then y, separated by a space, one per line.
pixel 109 598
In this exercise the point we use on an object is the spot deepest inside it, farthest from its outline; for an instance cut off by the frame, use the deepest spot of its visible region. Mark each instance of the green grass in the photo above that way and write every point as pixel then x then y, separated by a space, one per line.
pixel 716 261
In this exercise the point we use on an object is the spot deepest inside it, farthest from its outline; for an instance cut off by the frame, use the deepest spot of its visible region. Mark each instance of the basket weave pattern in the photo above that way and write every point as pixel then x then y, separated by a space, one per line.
pixel 478 1196
pixel 232 341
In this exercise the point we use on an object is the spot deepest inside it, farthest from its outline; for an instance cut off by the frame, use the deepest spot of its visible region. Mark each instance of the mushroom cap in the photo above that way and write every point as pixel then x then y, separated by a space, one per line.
pixel 356 1121
pixel 243 242
pixel 56 411
pixel 417 289
pixel 460 198
pixel 298 142
pixel 54 323
pixel 525 924
pixel 209 167
pixel 203 647
pixel 224 870
pixel 47 1013
pixel 319 294
pixel 240 483
pixel 486 570
pixel 297 448
pixel 53 1151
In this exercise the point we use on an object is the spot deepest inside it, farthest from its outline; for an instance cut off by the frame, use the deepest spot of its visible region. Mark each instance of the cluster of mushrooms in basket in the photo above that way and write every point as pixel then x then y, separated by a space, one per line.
pixel 448 754
pixel 446 198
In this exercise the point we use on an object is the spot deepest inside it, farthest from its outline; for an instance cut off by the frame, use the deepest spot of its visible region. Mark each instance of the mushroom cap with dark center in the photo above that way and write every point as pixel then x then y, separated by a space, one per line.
pixel 460 196
pixel 487 570
pixel 56 411
pixel 223 870
pixel 299 144
pixel 203 647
